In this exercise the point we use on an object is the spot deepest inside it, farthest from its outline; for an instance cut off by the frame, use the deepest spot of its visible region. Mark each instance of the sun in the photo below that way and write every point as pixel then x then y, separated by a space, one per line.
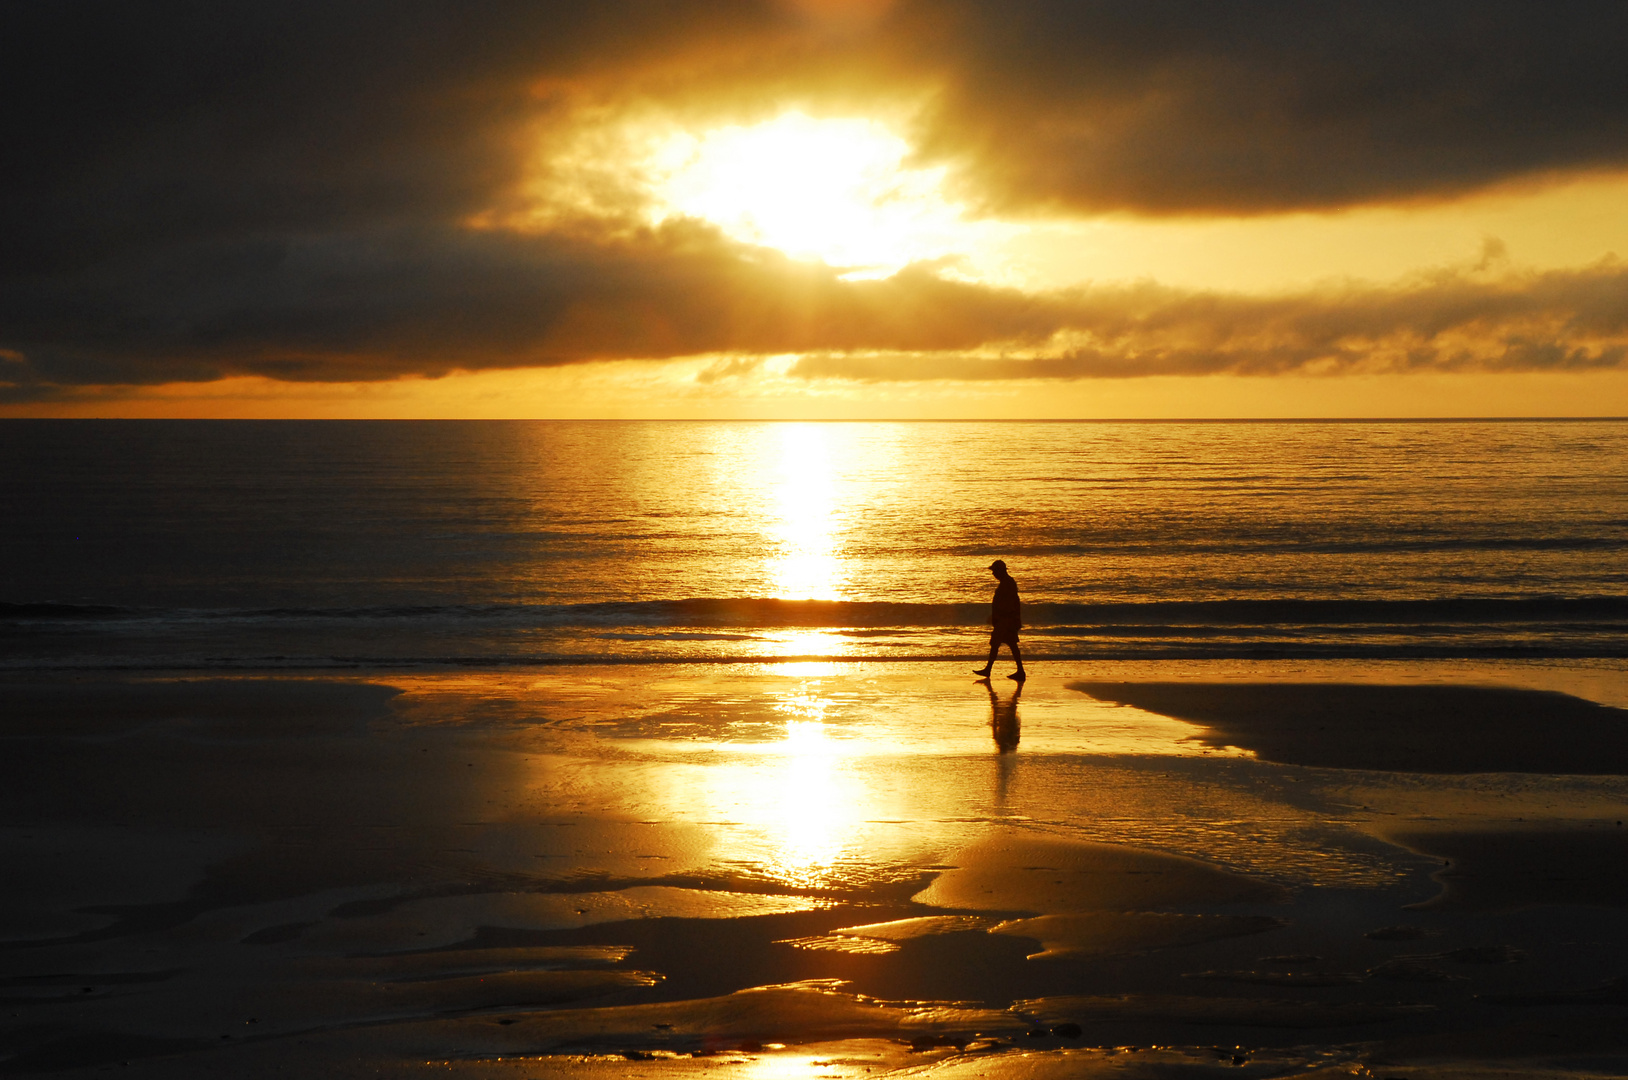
pixel 838 190
pixel 843 191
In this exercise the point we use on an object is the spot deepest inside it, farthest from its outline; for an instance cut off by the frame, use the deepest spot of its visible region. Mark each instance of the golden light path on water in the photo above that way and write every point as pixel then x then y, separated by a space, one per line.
pixel 816 768
pixel 797 803
pixel 827 775
pixel 816 799
pixel 817 775
pixel 810 797
pixel 806 561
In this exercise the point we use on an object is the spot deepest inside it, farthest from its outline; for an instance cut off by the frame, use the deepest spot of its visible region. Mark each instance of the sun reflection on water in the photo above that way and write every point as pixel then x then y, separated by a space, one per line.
pixel 806 563
pixel 813 805
pixel 796 803
pixel 811 799
pixel 805 642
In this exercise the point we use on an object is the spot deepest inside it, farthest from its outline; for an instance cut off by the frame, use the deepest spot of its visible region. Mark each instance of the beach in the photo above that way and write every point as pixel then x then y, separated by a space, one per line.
pixel 820 869
pixel 513 749
pixel 814 540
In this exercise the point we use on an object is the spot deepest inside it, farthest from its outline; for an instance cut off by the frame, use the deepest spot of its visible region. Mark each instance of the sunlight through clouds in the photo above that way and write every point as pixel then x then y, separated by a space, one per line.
pixel 505 190
pixel 836 190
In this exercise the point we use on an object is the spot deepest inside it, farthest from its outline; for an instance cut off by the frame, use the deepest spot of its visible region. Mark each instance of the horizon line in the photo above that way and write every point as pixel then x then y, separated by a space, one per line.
pixel 818 420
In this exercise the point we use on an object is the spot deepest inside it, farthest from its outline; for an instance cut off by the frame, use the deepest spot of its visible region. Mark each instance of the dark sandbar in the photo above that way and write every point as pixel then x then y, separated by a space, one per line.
pixel 1428 729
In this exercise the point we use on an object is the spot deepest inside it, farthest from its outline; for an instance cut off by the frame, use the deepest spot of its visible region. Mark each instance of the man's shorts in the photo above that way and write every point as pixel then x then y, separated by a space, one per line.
pixel 1004 635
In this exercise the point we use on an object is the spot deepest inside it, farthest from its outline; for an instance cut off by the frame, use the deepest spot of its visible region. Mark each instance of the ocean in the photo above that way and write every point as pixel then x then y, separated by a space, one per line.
pixel 198 545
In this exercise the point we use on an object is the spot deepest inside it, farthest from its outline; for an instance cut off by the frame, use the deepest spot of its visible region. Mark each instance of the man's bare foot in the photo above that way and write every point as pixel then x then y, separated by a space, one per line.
pixel 984 674
pixel 1018 675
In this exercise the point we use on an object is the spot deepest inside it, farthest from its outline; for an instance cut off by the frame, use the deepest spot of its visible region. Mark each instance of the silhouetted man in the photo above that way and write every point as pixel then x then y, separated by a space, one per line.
pixel 1007 619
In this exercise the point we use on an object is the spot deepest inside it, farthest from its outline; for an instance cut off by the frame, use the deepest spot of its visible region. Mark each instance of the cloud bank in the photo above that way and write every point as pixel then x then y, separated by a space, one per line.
pixel 1559 321
pixel 285 189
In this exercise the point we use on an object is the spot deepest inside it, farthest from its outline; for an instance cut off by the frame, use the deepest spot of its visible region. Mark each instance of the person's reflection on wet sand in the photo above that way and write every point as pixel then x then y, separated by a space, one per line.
pixel 1003 719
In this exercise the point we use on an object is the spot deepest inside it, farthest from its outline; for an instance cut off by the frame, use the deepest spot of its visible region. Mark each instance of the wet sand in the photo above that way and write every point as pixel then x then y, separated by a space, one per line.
pixel 815 870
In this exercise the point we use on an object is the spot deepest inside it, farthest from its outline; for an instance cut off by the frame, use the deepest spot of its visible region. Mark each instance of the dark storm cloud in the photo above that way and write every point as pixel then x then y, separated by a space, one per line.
pixel 193 190
pixel 1177 106
pixel 426 301
pixel 136 125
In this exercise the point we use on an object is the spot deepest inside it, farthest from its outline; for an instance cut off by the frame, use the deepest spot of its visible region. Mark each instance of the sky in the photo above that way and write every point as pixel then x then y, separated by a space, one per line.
pixel 813 208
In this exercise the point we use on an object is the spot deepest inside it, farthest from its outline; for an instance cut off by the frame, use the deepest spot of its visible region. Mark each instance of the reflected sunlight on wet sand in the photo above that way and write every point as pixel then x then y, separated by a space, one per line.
pixel 872 866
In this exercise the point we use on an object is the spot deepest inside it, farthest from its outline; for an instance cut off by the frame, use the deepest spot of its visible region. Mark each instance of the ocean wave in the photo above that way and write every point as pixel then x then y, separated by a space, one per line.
pixel 758 613
pixel 1299 542
pixel 1264 650
pixel 52 610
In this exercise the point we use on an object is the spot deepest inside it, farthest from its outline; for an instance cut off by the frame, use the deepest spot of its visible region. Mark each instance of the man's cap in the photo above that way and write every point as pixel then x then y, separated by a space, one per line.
pixel 998 564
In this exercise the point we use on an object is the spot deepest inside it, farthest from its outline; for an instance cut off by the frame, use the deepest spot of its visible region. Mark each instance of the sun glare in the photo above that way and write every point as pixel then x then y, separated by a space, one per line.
pixel 837 190
pixel 807 561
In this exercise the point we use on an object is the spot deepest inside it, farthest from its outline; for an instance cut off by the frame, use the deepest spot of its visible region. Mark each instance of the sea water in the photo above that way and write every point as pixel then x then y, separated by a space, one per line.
pixel 312 545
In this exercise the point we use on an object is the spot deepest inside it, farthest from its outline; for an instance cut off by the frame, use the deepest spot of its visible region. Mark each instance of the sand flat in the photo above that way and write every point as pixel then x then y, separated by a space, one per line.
pixel 1018 871
pixel 232 874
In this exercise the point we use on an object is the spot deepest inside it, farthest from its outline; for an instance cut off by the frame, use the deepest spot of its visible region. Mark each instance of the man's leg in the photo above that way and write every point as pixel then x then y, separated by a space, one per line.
pixel 1017 654
pixel 989 665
